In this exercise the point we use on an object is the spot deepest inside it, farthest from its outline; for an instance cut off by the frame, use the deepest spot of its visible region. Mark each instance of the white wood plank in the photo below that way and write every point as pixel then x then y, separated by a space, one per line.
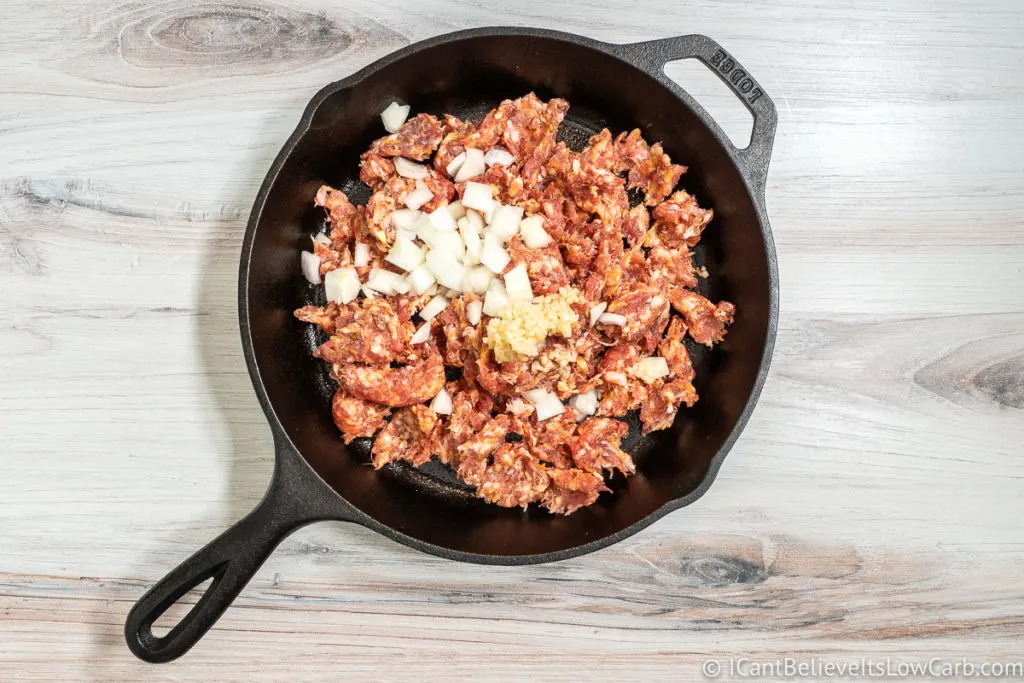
pixel 870 508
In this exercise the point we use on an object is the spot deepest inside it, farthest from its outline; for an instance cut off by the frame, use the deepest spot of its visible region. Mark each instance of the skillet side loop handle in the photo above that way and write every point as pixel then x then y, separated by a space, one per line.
pixel 230 560
pixel 655 54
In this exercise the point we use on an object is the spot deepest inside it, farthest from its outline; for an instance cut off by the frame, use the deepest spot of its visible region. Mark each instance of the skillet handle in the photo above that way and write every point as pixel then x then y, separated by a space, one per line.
pixel 230 560
pixel 653 55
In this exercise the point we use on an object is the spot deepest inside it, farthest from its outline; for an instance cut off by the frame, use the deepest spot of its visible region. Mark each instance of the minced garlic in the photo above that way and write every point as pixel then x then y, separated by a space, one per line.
pixel 523 325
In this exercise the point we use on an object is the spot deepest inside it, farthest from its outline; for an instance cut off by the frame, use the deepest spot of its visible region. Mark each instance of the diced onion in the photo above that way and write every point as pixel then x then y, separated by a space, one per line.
pixel 534 395
pixel 455 164
pixel 531 229
pixel 404 254
pixel 428 233
pixel 405 234
pixel 476 221
pixel 493 255
pixel 517 284
pixel 596 311
pixel 452 242
pixel 446 268
pixel 504 223
pixel 311 267
pixel 472 166
pixel 421 279
pixel 419 196
pixel 442 403
pixel 471 240
pixel 410 169
pixel 498 155
pixel 422 334
pixel 456 209
pixel 433 307
pixel 405 219
pixel 489 213
pixel 361 255
pixel 585 404
pixel 474 309
pixel 322 239
pixel 442 219
pixel 443 240
pixel 400 286
pixel 341 285
pixel 612 319
pixel 394 116
pixel 383 281
pixel 546 403
pixel 478 196
pixel 369 293
pixel 651 368
pixel 477 280
pixel 496 300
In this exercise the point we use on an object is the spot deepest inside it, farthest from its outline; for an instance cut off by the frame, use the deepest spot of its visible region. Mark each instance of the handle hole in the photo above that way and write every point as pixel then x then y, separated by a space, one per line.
pixel 179 609
pixel 716 97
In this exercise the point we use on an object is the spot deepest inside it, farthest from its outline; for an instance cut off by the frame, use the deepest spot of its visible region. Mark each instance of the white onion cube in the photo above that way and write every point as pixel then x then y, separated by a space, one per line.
pixel 455 164
pixel 596 311
pixel 493 255
pixel 422 334
pixel 404 254
pixel 471 240
pixel 441 218
pixel 472 166
pixel 477 280
pixel 446 268
pixel 479 196
pixel 499 155
pixel 585 404
pixel 546 403
pixel 383 281
pixel 421 279
pixel 341 285
pixel 474 309
pixel 410 169
pixel 504 222
pixel 456 209
pixel 612 319
pixel 476 221
pixel 311 267
pixel 405 219
pixel 361 255
pixel 418 197
pixel 651 368
pixel 433 307
pixel 496 300
pixel 517 284
pixel 442 403
pixel 531 229
pixel 394 116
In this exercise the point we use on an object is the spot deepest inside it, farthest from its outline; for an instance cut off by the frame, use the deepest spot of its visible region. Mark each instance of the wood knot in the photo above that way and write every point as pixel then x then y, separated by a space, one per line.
pixel 221 34
pixel 169 43
pixel 1003 382
pixel 721 570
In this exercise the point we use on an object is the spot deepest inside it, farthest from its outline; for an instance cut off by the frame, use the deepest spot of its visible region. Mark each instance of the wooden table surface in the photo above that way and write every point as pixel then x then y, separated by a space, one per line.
pixel 871 508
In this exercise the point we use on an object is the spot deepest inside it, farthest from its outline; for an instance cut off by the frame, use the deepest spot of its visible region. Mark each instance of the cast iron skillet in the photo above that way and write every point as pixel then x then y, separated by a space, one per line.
pixel 316 478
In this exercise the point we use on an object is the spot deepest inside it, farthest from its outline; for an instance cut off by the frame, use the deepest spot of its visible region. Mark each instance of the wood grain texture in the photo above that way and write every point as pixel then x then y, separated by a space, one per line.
pixel 871 508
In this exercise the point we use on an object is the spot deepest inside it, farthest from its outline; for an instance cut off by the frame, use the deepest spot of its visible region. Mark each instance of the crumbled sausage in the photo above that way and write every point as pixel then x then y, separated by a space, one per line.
pixel 635 262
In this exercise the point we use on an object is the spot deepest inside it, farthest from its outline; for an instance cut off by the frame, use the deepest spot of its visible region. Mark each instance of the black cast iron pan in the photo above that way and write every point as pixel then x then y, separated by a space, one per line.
pixel 316 477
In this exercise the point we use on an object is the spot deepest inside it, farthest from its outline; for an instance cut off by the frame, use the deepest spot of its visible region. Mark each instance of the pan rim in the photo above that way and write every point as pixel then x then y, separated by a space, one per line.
pixel 351 513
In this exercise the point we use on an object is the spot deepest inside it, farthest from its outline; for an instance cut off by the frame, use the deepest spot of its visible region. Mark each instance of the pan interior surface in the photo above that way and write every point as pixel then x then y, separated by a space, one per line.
pixel 467 77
